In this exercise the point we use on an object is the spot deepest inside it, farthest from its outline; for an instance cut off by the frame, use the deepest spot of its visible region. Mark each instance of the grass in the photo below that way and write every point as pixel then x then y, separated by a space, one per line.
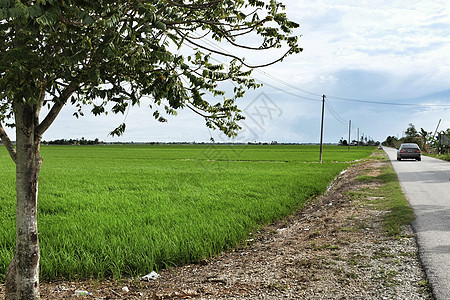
pixel 440 156
pixel 425 286
pixel 113 211
pixel 389 197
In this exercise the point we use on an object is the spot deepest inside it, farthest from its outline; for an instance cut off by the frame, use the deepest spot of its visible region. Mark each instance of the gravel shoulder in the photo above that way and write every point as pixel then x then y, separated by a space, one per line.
pixel 335 248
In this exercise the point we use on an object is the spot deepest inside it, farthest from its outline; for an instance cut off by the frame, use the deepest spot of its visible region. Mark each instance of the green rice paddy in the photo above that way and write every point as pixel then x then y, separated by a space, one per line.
pixel 114 211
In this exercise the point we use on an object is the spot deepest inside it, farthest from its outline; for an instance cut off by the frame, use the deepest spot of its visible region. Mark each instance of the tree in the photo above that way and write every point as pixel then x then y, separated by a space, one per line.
pixel 425 139
pixel 411 134
pixel 110 55
pixel 343 142
pixel 391 141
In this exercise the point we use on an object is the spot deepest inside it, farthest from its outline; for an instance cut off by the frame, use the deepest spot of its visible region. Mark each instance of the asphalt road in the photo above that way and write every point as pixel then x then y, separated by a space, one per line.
pixel 426 185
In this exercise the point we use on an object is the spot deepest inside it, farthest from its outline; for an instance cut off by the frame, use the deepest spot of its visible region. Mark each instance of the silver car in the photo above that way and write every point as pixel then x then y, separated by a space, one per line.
pixel 409 150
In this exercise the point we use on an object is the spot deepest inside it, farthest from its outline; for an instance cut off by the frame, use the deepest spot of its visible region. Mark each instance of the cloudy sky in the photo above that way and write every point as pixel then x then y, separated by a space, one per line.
pixel 381 64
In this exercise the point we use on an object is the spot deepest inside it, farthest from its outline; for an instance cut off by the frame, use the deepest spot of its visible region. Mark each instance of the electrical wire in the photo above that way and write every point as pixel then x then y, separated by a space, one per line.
pixel 329 106
pixel 287 92
pixel 334 113
pixel 387 103
pixel 286 83
pixel 219 48
pixel 270 85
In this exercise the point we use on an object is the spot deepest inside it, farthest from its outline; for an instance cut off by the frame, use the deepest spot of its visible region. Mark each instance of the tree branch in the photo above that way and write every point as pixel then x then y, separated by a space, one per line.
pixel 238 58
pixel 51 116
pixel 41 99
pixel 197 112
pixel 192 6
pixel 236 44
pixel 191 107
pixel 54 111
pixel 7 142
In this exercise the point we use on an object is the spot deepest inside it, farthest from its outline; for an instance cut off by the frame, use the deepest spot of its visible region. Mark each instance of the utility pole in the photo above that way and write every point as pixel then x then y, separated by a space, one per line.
pixel 349 130
pixel 321 128
pixel 357 139
pixel 437 127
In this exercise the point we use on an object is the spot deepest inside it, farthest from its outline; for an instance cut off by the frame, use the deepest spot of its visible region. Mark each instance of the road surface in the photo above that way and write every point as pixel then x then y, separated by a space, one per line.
pixel 426 185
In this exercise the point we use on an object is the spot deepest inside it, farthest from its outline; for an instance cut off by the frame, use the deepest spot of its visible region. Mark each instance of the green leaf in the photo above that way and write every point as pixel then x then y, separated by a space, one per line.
pixel 6 3
pixel 87 19
pixel 35 11
pixel 119 130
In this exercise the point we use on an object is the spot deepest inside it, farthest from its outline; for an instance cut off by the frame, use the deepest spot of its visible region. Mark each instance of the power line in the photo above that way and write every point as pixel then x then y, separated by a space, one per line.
pixel 334 113
pixel 286 83
pixel 287 92
pixel 217 47
pixel 270 85
pixel 388 103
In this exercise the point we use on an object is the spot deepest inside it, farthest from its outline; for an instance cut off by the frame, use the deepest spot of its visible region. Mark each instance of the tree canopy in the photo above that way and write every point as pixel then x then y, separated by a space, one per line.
pixel 411 134
pixel 112 54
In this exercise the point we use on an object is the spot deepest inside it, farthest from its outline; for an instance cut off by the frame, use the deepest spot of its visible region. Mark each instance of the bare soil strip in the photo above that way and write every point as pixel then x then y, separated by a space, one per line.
pixel 333 249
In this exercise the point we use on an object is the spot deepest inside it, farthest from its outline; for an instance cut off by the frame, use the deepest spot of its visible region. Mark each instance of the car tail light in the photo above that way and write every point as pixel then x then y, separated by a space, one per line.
pixel 418 151
pixel 402 151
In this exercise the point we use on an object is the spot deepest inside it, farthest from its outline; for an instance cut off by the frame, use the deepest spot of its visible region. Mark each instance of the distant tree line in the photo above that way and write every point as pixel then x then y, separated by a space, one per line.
pixel 81 141
pixel 363 142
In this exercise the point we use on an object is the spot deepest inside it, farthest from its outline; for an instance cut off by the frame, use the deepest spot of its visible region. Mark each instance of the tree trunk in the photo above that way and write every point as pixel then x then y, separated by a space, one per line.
pixel 22 277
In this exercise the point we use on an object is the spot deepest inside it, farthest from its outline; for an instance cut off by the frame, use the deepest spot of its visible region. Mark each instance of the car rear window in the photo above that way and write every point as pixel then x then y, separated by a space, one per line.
pixel 410 146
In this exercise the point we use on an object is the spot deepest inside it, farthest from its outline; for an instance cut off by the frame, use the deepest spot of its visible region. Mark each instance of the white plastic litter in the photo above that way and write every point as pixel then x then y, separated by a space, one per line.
pixel 81 293
pixel 152 276
pixel 125 289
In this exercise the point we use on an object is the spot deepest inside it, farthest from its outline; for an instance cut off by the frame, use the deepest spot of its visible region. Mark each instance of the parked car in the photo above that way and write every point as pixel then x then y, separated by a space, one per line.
pixel 409 150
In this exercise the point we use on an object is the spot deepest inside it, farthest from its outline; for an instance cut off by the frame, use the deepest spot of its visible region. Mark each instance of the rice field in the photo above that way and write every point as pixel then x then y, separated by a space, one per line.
pixel 125 210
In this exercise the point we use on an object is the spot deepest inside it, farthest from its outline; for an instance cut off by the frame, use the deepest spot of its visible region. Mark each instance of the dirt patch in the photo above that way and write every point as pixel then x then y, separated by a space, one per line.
pixel 333 249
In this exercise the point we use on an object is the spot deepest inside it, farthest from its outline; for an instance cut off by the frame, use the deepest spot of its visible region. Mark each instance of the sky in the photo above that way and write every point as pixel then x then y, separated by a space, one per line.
pixel 380 64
